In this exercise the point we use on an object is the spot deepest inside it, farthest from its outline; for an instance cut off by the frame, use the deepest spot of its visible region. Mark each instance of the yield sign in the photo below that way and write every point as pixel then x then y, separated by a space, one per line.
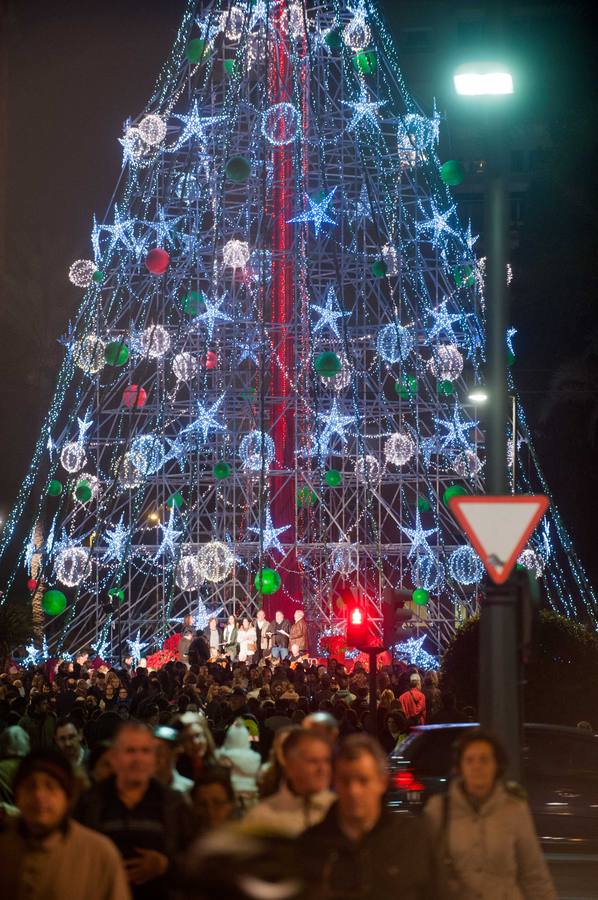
pixel 498 527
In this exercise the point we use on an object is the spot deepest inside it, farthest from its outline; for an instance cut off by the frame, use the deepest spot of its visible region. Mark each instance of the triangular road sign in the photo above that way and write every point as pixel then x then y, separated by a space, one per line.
pixel 498 527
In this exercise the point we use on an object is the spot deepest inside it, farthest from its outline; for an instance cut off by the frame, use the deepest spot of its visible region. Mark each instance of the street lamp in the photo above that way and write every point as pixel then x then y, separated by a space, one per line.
pixel 500 662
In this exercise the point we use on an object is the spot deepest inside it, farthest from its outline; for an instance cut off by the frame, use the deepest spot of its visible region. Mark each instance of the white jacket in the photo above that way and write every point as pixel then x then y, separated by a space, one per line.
pixel 287 814
pixel 244 762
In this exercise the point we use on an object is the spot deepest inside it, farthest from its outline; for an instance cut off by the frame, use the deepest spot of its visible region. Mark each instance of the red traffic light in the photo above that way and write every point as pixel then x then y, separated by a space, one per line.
pixel 358 632
pixel 356 616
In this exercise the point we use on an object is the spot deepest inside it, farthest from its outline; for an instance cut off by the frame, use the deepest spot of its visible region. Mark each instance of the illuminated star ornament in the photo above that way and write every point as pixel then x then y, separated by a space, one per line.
pixel 101 645
pixel 334 424
pixel 269 534
pixel 195 126
pixel 84 426
pixel 120 231
pixel 206 420
pixel 36 655
pixel 443 323
pixel 116 541
pixel 363 209
pixel 212 314
pixel 365 112
pixel 438 225
pixel 418 537
pixel 317 212
pixel 411 651
pixel 135 648
pixel 456 429
pixel 329 313
pixel 169 536
pixel 200 619
pixel 163 228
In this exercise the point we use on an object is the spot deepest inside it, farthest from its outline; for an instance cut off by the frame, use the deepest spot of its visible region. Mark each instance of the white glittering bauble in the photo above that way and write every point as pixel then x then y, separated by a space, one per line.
pixel 428 573
pixel 344 559
pixel 232 23
pixel 88 354
pixel 235 254
pixel 256 448
pixel 280 124
pixel 73 457
pixel 134 144
pixel 93 483
pixel 154 341
pixel 343 379
pixel 467 464
pixel 128 475
pixel 187 573
pixel 446 363
pixel 184 366
pixel 147 454
pixel 399 448
pixel 82 271
pixel 152 129
pixel 296 24
pixel 465 566
pixel 357 34
pixel 391 258
pixel 531 561
pixel 394 343
pixel 367 470
pixel 215 561
pixel 71 565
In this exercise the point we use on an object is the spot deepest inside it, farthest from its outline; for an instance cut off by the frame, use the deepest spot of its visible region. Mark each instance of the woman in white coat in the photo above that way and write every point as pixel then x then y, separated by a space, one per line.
pixel 486 843
pixel 247 640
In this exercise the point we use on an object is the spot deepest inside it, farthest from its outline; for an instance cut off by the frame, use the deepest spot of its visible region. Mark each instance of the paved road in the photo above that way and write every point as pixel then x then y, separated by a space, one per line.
pixel 576 878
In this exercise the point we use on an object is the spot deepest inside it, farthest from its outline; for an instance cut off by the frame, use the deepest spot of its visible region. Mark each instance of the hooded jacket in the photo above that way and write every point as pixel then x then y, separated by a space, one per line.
pixel 244 762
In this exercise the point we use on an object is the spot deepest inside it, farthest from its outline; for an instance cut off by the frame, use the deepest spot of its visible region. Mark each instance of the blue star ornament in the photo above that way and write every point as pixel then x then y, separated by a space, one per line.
pixel 455 430
pixel 365 112
pixel 120 231
pixel 136 647
pixel 169 536
pixel 437 226
pixel 411 651
pixel 329 314
pixel 196 126
pixel 443 323
pixel 212 314
pixel 334 424
pixel 164 227
pixel 316 213
pixel 418 536
pixel 206 420
pixel 116 541
pixel 269 534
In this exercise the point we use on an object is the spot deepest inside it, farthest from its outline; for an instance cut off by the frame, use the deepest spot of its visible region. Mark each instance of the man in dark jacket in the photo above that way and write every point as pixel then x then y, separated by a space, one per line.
pixel 360 850
pixel 279 630
pixel 298 634
pixel 186 639
pixel 150 824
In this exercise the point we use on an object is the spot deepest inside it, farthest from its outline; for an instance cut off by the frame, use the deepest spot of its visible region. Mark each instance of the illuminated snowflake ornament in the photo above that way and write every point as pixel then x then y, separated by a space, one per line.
pixel 357 33
pixel 235 254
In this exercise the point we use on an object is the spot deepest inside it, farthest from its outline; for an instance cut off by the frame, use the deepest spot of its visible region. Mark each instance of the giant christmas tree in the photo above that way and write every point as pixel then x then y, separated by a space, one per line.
pixel 264 394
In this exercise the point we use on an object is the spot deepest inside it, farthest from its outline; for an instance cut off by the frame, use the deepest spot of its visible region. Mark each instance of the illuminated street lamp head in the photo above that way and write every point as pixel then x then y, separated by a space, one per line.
pixel 478 395
pixel 483 79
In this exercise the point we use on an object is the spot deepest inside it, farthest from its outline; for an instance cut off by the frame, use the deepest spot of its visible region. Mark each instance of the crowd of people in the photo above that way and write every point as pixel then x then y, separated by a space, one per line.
pixel 244 769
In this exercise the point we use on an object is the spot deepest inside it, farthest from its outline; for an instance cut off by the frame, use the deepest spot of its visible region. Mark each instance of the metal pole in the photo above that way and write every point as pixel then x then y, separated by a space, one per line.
pixel 373 692
pixel 499 652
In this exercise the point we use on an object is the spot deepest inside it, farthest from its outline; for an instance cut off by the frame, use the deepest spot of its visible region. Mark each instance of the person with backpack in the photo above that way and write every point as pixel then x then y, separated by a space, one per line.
pixel 413 702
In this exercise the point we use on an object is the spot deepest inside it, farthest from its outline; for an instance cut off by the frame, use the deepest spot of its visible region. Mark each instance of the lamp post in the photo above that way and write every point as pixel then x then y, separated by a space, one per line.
pixel 499 689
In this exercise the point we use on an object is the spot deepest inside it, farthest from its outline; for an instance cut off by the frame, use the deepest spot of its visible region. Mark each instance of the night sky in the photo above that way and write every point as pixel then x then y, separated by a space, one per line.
pixel 77 68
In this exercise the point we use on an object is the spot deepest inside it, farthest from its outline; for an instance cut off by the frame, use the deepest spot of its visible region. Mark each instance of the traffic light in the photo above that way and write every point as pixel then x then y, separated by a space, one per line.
pixel 396 617
pixel 358 635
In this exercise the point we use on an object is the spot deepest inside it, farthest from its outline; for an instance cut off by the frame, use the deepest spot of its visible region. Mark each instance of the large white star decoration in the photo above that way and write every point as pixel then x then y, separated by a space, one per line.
pixel 438 225
pixel 195 126
pixel 363 209
pixel 162 227
pixel 84 425
pixel 206 419
pixel 329 313
pixel 456 429
pixel 36 655
pixel 443 323
pixel 170 535
pixel 212 314
pixel 269 534
pixel 101 645
pixel 120 231
pixel 411 651
pixel 136 647
pixel 116 540
pixel 418 536
pixel 317 212
pixel 334 424
pixel 365 111
pixel 200 619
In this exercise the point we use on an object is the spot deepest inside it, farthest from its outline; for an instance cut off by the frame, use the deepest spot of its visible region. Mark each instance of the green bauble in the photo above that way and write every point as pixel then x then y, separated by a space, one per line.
pixel 55 488
pixel 193 303
pixel 423 504
pixel 175 500
pixel 116 353
pixel 379 268
pixel 365 62
pixel 327 364
pixel 229 66
pixel 452 172
pixel 445 389
pixel 333 478
pixel 53 603
pixel 195 50
pixel 406 387
pixel 98 276
pixel 267 581
pixel 463 276
pixel 453 490
pixel 117 593
pixel 420 596
pixel 83 491
pixel 306 497
pixel 238 169
pixel 334 39
pixel 221 470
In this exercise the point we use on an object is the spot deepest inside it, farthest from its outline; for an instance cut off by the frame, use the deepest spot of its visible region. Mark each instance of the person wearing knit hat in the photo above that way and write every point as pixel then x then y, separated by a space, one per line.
pixel 43 852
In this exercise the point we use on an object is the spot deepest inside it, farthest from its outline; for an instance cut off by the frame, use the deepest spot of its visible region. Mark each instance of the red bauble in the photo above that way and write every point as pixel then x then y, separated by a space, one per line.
pixel 210 360
pixel 157 261
pixel 134 397
pixel 32 584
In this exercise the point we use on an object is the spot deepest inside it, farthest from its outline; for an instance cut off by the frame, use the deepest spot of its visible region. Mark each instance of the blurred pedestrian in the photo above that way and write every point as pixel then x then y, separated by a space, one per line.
pixel 213 799
pixel 14 746
pixel 168 749
pixel 486 844
pixel 413 701
pixel 244 763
